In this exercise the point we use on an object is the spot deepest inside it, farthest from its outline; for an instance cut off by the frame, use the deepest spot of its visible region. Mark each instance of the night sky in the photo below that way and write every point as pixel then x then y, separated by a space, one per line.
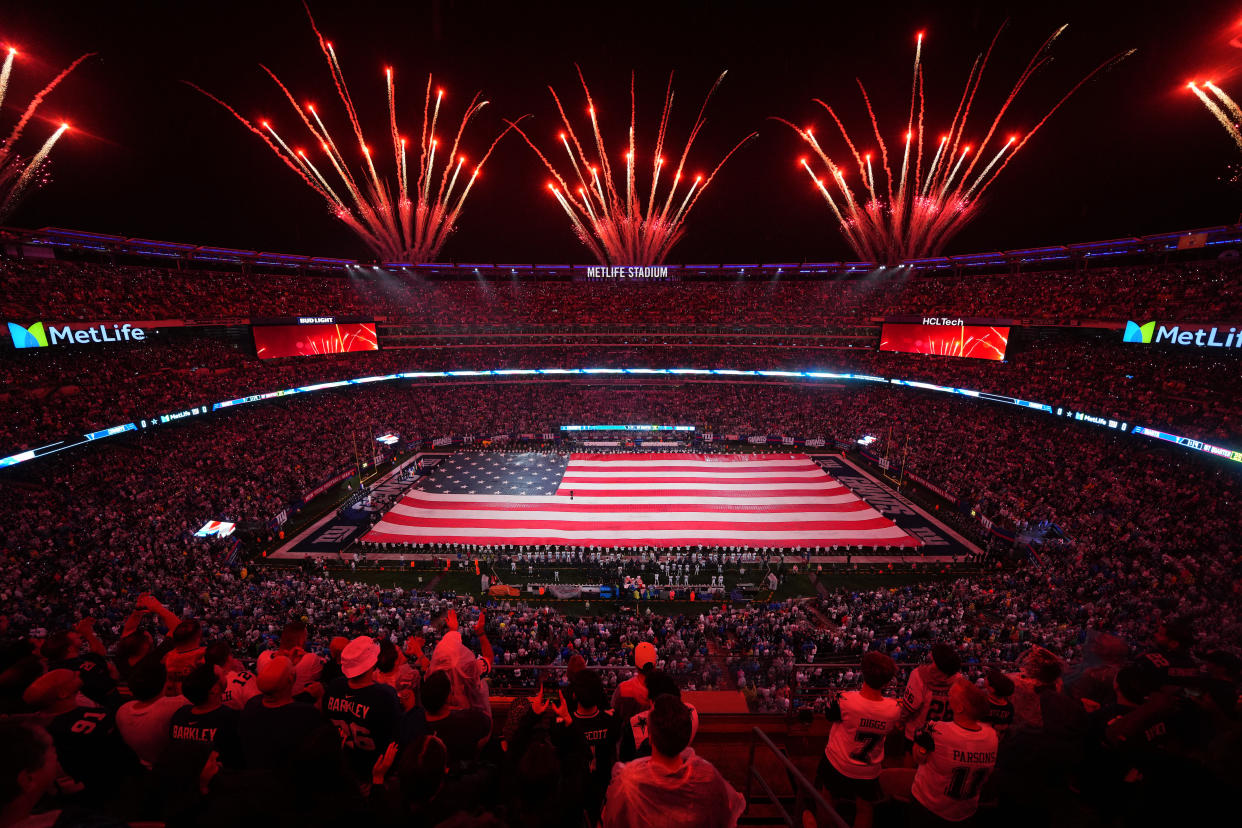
pixel 1132 153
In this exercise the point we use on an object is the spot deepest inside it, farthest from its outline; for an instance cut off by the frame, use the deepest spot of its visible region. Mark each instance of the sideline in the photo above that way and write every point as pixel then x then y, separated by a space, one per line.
pixel 905 501
pixel 285 551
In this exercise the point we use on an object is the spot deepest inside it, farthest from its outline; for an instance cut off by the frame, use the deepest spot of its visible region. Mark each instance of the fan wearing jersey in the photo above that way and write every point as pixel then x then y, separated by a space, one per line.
pixel 204 724
pixel 64 650
pixel 238 685
pixel 1000 708
pixel 364 711
pixel 862 720
pixel 926 698
pixel 595 731
pixel 88 744
pixel 954 759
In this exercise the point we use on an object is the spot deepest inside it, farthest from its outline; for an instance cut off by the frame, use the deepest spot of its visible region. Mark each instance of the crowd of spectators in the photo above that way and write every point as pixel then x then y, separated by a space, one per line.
pixel 54 393
pixel 97 542
pixel 126 637
pixel 67 291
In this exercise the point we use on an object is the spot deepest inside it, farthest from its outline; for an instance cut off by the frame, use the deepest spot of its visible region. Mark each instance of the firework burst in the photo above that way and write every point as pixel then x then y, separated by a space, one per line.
pixel 928 206
pixel 19 175
pixel 1224 108
pixel 614 220
pixel 408 221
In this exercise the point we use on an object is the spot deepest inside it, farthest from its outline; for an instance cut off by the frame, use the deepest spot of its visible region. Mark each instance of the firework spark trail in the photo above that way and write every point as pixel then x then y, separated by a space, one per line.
pixel 1231 125
pixel 6 72
pixel 609 216
pixel 17 177
pixel 397 224
pixel 923 211
pixel 38 99
pixel 23 181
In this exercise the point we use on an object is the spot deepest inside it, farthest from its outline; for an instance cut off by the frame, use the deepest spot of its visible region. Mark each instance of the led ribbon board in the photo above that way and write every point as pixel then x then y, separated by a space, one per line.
pixel 1079 416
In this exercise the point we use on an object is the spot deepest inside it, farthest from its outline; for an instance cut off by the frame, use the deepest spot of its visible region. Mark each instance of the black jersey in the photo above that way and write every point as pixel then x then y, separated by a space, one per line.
pixel 367 719
pixel 91 750
pixel 201 733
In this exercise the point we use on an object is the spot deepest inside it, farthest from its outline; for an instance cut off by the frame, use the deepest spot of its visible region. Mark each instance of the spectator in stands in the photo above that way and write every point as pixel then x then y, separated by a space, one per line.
pixel 631 695
pixel 239 685
pixel 89 747
pixel 187 651
pixel 954 759
pixel 636 733
pixel 596 730
pixel 364 711
pixel 332 666
pixel 206 724
pixel 862 720
pixel 28 769
pixel 467 672
pixel 673 786
pixel 307 666
pixel 463 730
pixel 144 722
pixel 273 725
pixel 926 697
pixel 999 688
pixel 392 669
pixel 64 650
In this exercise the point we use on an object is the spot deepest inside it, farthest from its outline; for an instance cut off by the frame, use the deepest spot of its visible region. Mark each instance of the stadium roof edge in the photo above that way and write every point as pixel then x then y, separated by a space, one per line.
pixel 61 237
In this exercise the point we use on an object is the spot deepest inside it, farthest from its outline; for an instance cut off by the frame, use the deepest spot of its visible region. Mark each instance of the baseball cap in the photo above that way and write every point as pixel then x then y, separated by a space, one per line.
pixel 273 675
pixel 644 654
pixel 51 686
pixel 359 656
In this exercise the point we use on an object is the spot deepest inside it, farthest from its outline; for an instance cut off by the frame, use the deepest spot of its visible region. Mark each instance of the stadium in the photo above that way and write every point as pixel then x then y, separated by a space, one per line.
pixel 563 457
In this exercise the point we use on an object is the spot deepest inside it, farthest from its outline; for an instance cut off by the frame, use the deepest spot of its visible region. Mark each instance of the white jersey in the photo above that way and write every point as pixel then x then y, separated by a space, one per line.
pixel 948 783
pixel 926 698
pixel 856 743
pixel 240 686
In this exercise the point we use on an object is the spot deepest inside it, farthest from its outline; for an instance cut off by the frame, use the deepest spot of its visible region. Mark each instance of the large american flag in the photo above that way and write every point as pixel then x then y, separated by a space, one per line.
pixel 627 500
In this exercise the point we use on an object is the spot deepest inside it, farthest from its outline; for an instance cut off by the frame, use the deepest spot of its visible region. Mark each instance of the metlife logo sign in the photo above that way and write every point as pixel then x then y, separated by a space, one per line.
pixel 1193 336
pixel 39 335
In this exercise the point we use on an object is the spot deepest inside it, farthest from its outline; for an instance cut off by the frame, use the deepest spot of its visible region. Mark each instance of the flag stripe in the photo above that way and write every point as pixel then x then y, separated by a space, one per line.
pixel 431 517
pixel 603 503
pixel 625 500
pixel 655 537
pixel 419 503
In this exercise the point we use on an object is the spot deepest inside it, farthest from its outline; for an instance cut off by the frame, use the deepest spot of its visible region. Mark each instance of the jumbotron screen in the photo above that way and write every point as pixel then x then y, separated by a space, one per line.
pixel 977 341
pixel 272 341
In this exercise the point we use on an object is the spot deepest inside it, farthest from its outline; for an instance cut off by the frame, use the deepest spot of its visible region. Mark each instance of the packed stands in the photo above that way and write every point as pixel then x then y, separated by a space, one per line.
pixel 1114 640
pixel 86 291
